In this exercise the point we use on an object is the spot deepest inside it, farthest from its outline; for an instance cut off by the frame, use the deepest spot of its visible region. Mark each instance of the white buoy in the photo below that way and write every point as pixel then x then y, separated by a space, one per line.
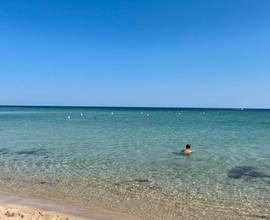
pixel 68 117
pixel 112 113
pixel 81 114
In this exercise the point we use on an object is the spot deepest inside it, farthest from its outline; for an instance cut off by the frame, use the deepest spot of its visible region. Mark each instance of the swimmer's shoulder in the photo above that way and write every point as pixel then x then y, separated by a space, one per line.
pixel 186 151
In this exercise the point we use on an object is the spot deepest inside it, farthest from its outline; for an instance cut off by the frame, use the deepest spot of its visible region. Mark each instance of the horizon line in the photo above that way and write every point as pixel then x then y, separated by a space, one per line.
pixel 134 107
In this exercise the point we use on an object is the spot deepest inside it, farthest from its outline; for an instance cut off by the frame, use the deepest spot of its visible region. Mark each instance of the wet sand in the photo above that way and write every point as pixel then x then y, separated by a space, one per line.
pixel 19 206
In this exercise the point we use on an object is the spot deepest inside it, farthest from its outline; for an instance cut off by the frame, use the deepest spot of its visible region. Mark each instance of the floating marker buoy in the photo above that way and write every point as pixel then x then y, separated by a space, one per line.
pixel 112 113
pixel 81 114
pixel 68 117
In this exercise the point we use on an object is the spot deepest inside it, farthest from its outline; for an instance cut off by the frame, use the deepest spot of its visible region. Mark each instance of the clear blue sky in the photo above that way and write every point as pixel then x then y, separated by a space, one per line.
pixel 135 53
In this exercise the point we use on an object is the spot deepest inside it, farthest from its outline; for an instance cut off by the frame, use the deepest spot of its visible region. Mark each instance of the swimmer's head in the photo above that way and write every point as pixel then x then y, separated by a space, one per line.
pixel 188 146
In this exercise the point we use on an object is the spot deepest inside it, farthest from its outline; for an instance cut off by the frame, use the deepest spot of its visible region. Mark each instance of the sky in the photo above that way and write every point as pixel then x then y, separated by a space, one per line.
pixel 161 53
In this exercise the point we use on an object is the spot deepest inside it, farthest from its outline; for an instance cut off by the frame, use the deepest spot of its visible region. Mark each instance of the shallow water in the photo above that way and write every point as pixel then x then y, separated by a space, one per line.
pixel 128 159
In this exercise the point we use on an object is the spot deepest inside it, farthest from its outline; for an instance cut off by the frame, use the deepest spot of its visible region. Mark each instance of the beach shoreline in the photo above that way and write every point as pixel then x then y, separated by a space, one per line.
pixel 17 205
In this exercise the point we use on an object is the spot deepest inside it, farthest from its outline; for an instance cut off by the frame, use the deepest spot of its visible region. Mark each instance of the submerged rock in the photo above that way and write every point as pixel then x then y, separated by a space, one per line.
pixel 142 180
pixel 238 172
pixel 32 152
pixel 4 151
pixel 43 182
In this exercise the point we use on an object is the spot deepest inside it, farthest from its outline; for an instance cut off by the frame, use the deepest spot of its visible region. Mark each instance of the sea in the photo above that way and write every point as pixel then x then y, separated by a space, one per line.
pixel 129 160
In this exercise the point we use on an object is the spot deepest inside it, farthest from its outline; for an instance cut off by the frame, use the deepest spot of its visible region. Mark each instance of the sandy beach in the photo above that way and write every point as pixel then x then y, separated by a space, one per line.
pixel 11 211
pixel 19 206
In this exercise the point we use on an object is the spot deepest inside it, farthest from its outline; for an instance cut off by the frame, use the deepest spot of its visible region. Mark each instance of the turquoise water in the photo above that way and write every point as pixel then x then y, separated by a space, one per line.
pixel 127 158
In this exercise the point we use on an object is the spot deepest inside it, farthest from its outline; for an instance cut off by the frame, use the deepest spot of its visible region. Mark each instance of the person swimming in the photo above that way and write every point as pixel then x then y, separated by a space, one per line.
pixel 187 150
